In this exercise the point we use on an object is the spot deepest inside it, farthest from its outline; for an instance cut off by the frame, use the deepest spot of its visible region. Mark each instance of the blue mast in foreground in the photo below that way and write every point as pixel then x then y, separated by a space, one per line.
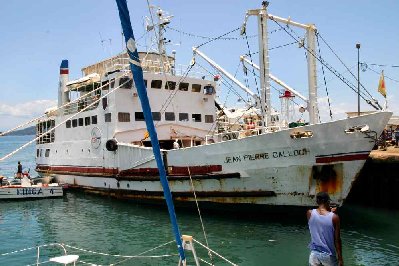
pixel 137 72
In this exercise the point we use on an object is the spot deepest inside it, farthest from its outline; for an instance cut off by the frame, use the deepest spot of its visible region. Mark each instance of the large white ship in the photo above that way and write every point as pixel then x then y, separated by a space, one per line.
pixel 97 140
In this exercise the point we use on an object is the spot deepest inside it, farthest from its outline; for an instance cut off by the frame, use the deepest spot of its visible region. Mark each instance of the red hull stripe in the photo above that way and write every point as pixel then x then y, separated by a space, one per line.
pixel 64 71
pixel 342 158
pixel 172 170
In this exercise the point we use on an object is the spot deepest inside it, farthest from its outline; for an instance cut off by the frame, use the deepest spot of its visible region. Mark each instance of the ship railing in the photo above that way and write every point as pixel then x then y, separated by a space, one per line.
pixel 239 134
pixel 155 66
pixel 81 104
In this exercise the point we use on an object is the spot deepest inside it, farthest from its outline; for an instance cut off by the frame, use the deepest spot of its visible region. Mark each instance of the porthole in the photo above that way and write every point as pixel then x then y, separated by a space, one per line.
pixel 127 185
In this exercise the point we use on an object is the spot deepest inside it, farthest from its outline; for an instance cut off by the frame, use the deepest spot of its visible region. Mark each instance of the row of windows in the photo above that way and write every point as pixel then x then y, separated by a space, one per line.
pixel 138 116
pixel 39 153
pixel 83 121
pixel 170 116
pixel 127 83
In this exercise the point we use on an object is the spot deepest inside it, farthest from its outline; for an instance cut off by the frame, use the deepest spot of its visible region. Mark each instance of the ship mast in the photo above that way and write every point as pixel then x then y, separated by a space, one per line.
pixel 265 102
pixel 263 16
pixel 311 60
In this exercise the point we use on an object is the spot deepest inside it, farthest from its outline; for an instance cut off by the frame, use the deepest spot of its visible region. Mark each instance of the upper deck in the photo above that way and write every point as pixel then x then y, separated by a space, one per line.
pixel 150 62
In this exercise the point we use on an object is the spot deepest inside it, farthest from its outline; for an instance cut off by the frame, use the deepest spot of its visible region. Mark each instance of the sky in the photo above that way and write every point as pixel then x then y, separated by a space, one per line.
pixel 36 35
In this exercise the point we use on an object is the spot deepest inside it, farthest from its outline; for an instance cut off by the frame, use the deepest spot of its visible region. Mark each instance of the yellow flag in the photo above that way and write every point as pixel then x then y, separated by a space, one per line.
pixel 381 85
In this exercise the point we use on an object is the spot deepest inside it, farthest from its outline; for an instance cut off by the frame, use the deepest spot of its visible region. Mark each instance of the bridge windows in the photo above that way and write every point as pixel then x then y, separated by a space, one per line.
pixel 156 84
pixel 183 86
pixel 139 116
pixel 123 117
pixel 196 87
pixel 170 116
pixel 183 117
pixel 196 117
pixel 80 121
pixel 87 121
pixel 74 123
pixel 94 119
pixel 170 85
pixel 107 117
pixel 208 118
pixel 156 116
pixel 68 124
pixel 125 83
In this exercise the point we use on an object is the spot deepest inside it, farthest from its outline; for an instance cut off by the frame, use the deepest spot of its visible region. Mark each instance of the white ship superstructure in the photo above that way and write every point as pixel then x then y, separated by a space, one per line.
pixel 99 141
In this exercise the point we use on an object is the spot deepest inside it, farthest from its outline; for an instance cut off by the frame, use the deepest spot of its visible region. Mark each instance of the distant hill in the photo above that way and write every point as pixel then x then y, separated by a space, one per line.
pixel 26 131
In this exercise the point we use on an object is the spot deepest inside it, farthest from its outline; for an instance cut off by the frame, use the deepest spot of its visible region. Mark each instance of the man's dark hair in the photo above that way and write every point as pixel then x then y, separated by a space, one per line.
pixel 322 198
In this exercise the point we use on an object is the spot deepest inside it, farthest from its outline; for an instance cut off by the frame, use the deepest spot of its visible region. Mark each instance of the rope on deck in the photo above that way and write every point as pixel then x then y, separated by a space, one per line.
pixel 214 252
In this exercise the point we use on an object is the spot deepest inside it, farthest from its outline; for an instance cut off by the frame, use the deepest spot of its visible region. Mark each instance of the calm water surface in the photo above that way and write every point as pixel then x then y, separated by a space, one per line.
pixel 370 236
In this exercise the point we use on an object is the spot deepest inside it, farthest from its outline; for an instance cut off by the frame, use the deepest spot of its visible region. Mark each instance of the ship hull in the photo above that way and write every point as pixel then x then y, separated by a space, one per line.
pixel 283 168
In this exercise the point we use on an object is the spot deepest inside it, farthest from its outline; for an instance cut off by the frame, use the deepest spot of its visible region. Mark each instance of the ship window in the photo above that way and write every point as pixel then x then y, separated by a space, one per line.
pixel 47 153
pixel 87 121
pixel 183 86
pixel 105 84
pixel 80 122
pixel 112 83
pixel 170 85
pixel 209 90
pixel 183 117
pixel 196 117
pixel 94 119
pixel 139 116
pixel 68 124
pixel 125 83
pixel 107 117
pixel 196 88
pixel 104 102
pixel 156 84
pixel 41 153
pixel 37 153
pixel 208 118
pixel 74 123
pixel 156 116
pixel 124 117
pixel 170 116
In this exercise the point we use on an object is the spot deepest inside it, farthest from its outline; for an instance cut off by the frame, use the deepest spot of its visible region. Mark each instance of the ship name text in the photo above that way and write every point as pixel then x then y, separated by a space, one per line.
pixel 31 191
pixel 266 155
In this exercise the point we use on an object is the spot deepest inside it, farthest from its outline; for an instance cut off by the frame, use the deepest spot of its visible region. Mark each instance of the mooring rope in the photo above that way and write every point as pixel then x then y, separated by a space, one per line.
pixel 214 252
pixel 198 209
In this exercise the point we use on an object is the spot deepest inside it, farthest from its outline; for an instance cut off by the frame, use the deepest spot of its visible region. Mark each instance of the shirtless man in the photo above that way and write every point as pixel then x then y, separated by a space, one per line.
pixel 325 245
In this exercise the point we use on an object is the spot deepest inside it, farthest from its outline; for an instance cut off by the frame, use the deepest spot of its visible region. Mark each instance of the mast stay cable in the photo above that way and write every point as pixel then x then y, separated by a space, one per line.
pixel 325 82
pixel 335 72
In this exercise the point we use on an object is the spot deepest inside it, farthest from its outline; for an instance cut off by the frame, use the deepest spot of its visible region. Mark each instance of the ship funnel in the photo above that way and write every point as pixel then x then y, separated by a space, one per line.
pixel 63 95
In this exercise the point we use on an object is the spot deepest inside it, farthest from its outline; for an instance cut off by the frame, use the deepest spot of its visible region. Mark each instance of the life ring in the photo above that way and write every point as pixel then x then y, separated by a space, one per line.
pixel 111 145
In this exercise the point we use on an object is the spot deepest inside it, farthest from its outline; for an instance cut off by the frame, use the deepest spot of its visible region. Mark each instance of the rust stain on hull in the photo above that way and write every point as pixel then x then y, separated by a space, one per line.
pixel 328 178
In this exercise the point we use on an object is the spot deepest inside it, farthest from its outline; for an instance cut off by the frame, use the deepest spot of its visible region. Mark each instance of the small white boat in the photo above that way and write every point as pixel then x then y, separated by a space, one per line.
pixel 25 190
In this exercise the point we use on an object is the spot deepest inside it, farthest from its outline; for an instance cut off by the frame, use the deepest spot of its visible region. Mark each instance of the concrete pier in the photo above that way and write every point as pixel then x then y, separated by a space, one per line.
pixel 378 182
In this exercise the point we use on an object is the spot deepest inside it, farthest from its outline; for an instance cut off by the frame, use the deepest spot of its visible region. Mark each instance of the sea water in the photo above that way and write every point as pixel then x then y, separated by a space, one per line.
pixel 113 227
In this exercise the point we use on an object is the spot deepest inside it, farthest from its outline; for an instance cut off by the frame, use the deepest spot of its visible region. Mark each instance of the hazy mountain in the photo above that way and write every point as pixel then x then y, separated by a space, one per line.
pixel 26 131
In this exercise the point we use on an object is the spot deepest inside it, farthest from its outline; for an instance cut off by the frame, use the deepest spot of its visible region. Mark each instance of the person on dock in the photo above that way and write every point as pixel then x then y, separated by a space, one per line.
pixel 383 140
pixel 19 170
pixel 324 226
pixel 396 133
